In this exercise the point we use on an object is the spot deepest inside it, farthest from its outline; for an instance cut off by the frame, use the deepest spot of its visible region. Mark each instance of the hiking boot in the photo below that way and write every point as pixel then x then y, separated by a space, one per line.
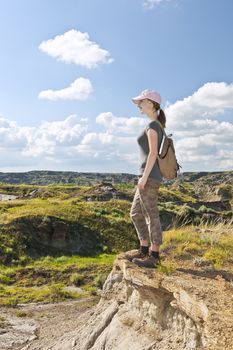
pixel 148 261
pixel 135 254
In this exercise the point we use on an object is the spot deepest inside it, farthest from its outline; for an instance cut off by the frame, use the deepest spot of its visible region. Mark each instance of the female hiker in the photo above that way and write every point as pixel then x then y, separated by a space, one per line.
pixel 144 210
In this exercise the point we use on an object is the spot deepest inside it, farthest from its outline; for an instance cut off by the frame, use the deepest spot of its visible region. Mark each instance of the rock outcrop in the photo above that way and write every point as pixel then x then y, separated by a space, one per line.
pixel 7 197
pixel 146 309
pixel 104 192
pixel 16 331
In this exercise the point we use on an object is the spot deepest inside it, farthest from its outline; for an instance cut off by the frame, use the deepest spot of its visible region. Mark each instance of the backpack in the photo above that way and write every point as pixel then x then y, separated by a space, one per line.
pixel 167 161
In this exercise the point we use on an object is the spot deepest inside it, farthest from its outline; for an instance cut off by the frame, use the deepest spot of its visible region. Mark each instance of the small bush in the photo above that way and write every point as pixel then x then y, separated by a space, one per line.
pixel 5 279
pixel 21 313
pixel 76 279
pixel 168 269
pixel 10 301
pixel 3 322
pixel 180 252
pixel 99 280
pixel 217 256
pixel 56 292
pixel 24 260
pixel 117 213
pixel 192 247
pixel 61 259
pixel 202 209
pixel 101 211
pixel 90 289
pixel 170 205
pixel 197 220
pixel 186 211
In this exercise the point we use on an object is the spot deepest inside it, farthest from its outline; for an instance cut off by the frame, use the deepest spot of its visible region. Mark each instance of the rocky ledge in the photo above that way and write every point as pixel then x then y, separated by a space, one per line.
pixel 146 309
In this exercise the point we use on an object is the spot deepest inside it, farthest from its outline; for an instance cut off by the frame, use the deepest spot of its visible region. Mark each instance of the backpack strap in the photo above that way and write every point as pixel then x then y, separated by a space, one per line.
pixel 163 137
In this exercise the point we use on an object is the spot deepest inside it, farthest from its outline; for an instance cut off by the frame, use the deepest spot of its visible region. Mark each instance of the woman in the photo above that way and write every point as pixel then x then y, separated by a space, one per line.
pixel 144 211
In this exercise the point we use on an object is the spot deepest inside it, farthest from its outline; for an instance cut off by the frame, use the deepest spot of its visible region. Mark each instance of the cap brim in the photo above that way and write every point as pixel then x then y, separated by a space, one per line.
pixel 137 99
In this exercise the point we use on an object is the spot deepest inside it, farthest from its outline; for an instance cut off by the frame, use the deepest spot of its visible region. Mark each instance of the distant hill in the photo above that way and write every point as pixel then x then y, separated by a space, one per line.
pixel 46 177
pixel 215 177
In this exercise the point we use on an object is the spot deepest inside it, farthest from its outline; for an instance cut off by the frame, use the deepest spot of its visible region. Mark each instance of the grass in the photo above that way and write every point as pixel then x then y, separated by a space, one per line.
pixel 166 268
pixel 23 279
pixel 213 243
pixel 175 195
pixel 54 189
pixel 12 295
pixel 103 224
pixel 44 279
pixel 64 209
pixel 3 322
pixel 21 313
pixel 217 256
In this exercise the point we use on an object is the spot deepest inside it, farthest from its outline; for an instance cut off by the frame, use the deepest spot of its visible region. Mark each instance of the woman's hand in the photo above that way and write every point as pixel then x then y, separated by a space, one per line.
pixel 142 182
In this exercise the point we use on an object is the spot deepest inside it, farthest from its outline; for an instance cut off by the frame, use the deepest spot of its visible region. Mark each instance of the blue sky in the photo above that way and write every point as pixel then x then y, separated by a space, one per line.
pixel 68 71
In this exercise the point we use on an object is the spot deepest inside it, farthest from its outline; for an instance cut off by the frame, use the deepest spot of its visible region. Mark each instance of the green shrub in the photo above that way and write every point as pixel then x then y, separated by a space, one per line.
pixel 192 247
pixel 101 211
pixel 117 212
pixel 217 256
pixel 196 220
pixel 99 280
pixel 3 322
pixel 186 211
pixel 5 279
pixel 77 279
pixel 170 205
pixel 56 292
pixel 203 209
pixel 21 313
pixel 167 268
pixel 91 290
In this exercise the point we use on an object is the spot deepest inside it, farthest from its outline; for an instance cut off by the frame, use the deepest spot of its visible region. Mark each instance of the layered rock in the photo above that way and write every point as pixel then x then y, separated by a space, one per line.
pixel 145 309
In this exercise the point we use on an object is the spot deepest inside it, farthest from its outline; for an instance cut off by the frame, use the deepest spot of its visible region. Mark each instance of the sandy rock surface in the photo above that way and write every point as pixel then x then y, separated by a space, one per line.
pixel 44 323
pixel 145 309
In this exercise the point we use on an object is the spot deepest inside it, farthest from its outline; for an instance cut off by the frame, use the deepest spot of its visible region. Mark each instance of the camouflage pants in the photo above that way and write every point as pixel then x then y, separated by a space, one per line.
pixel 145 214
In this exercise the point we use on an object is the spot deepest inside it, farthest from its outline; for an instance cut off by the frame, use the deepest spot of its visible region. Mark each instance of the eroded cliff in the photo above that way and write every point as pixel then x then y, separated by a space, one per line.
pixel 146 309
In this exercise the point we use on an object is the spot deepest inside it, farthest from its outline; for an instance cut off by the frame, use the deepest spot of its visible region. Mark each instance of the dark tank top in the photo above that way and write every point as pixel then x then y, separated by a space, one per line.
pixel 144 149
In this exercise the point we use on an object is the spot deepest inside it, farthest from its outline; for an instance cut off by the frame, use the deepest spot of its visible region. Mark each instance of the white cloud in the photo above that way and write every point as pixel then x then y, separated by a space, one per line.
pixel 202 142
pixel 75 47
pixel 53 138
pixel 97 138
pixel 117 144
pixel 49 138
pixel 208 101
pixel 80 89
pixel 150 4
pixel 69 145
pixel 129 125
pixel 115 152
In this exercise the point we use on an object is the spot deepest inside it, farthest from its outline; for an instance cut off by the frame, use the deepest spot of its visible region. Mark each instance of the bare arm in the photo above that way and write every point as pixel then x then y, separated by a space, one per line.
pixel 152 156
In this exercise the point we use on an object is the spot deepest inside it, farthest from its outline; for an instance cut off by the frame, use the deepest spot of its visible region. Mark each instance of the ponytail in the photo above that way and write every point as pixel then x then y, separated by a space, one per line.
pixel 161 114
pixel 162 118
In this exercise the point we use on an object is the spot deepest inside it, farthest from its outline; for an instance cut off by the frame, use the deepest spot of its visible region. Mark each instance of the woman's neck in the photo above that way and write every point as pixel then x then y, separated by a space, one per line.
pixel 153 115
